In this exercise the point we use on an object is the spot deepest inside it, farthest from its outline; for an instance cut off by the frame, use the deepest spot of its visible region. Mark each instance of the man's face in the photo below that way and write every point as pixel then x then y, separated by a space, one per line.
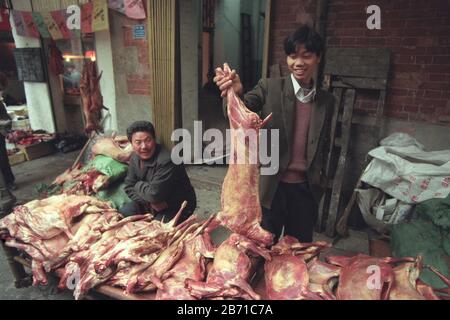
pixel 143 144
pixel 302 64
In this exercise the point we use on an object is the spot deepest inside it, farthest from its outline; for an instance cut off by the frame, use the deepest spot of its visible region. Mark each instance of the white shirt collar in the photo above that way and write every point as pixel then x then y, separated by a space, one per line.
pixel 302 94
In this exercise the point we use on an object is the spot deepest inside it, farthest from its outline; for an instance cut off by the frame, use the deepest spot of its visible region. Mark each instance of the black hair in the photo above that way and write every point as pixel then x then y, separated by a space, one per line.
pixel 304 35
pixel 140 126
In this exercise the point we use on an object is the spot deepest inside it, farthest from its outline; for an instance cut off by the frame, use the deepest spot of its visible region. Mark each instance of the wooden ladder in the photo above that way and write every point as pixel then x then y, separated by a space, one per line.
pixel 346 71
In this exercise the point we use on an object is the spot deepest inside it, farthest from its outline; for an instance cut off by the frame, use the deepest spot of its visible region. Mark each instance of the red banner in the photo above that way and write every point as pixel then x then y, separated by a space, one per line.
pixel 30 26
pixel 61 21
pixel 86 17
pixel 133 9
pixel 94 17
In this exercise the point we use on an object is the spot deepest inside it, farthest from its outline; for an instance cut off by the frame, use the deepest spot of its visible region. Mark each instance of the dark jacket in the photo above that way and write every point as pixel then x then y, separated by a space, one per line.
pixel 276 96
pixel 5 119
pixel 160 180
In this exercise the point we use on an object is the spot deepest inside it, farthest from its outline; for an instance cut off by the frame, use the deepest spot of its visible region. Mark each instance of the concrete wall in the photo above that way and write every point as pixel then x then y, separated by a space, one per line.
pixel 105 64
pixel 131 72
pixel 255 8
pixel 190 30
pixel 227 33
pixel 37 93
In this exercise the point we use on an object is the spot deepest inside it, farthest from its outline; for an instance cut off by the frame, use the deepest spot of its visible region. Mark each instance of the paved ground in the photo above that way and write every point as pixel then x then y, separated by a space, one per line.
pixel 207 183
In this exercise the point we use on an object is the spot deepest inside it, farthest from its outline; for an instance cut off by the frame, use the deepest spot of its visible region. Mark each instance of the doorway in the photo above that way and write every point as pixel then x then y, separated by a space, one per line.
pixel 233 31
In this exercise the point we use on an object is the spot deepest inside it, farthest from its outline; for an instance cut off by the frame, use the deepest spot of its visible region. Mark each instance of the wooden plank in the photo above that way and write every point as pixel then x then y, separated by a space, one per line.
pixel 349 102
pixel 358 62
pixel 376 131
pixel 341 226
pixel 119 294
pixel 265 61
pixel 116 293
pixel 323 204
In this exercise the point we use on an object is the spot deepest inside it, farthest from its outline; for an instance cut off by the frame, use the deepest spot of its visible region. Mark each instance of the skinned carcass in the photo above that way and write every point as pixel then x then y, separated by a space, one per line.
pixel 43 228
pixel 141 241
pixel 80 273
pixel 80 268
pixel 48 217
pixel 406 285
pixel 240 206
pixel 323 277
pixel 91 98
pixel 89 231
pixel 364 277
pixel 231 269
pixel 191 265
pixel 113 147
pixel 287 275
pixel 149 277
pixel 80 180
pixel 123 253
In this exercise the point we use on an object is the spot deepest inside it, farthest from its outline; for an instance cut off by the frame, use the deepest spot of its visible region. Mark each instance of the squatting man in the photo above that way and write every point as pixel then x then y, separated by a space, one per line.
pixel 154 183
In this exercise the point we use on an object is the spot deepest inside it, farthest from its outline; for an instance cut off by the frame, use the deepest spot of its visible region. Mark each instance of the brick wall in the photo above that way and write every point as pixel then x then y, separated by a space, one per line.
pixel 416 32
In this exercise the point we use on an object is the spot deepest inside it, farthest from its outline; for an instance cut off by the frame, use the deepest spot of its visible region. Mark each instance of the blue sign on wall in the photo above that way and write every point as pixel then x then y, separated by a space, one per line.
pixel 139 32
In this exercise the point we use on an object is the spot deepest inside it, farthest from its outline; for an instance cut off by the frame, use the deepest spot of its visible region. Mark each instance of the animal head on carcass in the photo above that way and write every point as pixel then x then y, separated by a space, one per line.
pixel 364 277
pixel 407 285
pixel 290 245
pixel 240 116
pixel 287 275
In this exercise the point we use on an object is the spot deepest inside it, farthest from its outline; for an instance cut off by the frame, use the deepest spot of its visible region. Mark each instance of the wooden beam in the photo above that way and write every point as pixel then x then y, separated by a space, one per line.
pixel 162 32
pixel 324 201
pixel 349 102
pixel 265 62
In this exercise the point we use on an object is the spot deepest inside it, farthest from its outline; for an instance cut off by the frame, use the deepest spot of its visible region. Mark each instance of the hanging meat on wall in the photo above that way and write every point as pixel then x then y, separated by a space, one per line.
pixel 55 58
pixel 91 97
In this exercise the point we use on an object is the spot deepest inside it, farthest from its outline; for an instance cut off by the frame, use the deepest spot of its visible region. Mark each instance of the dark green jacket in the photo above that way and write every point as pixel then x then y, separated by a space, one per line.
pixel 160 180
pixel 276 96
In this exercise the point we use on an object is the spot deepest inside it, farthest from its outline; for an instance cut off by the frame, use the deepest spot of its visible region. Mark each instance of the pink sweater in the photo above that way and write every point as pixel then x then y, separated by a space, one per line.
pixel 296 169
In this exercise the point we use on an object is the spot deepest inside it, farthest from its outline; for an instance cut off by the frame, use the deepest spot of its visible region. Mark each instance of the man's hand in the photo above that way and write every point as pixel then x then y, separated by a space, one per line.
pixel 225 81
pixel 159 206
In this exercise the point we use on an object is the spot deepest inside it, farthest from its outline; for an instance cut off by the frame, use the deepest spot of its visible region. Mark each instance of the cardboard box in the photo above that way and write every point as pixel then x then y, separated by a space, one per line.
pixel 38 150
pixel 21 125
pixel 17 158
